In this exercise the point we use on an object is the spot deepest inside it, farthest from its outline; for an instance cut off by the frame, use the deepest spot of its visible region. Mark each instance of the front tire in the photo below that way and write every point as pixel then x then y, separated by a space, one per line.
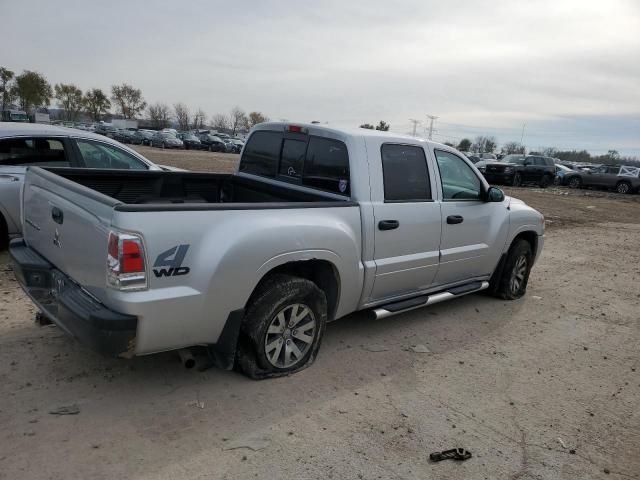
pixel 623 187
pixel 510 283
pixel 282 328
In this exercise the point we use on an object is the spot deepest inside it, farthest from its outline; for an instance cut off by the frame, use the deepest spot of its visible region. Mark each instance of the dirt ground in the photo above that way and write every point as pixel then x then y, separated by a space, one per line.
pixel 547 387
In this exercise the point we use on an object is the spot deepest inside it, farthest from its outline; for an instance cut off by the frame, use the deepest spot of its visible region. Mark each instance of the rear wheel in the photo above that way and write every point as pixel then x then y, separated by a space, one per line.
pixel 282 328
pixel 623 187
pixel 517 179
pixel 557 180
pixel 575 182
pixel 545 181
pixel 510 282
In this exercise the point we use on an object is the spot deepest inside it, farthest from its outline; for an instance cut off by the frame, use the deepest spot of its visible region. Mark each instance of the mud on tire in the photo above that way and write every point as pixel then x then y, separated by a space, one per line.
pixel 502 283
pixel 280 297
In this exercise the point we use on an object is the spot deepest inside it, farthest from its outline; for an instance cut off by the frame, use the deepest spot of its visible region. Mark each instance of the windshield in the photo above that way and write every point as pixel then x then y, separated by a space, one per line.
pixel 517 159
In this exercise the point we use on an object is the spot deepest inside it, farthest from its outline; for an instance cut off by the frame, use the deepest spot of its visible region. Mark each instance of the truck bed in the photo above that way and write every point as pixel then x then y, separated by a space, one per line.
pixel 160 190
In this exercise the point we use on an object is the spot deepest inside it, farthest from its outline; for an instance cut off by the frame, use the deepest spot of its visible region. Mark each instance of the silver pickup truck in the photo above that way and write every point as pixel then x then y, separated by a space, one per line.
pixel 317 223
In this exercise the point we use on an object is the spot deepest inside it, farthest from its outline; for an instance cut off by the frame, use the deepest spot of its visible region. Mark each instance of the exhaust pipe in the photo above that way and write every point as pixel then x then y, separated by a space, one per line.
pixel 187 358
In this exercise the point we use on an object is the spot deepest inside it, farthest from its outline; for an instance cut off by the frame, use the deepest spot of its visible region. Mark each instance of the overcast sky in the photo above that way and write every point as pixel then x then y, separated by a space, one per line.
pixel 568 69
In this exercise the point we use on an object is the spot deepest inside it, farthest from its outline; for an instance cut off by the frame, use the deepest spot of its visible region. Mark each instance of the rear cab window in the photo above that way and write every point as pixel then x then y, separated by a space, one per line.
pixel 405 173
pixel 317 162
pixel 40 152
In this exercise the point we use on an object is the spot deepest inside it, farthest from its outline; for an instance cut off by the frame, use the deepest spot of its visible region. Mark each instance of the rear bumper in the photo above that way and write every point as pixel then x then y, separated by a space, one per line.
pixel 70 307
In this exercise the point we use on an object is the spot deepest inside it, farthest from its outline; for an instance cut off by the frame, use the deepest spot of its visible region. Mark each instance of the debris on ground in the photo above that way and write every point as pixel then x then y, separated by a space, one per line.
pixel 254 444
pixel 376 348
pixel 453 454
pixel 419 349
pixel 66 410
pixel 562 443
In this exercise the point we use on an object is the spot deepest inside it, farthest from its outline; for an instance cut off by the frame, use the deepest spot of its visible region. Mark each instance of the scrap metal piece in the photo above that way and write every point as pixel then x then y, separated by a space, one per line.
pixel 460 454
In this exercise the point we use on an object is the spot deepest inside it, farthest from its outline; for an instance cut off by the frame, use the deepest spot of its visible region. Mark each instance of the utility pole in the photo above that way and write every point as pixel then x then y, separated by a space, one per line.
pixel 415 124
pixel 431 118
pixel 522 135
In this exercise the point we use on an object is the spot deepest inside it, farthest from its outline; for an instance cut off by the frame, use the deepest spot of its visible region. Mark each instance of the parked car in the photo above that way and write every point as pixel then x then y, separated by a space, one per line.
pixel 143 137
pixel 124 135
pixel 229 146
pixel 474 158
pixel 317 223
pixel 212 143
pixel 24 144
pixel 166 140
pixel 237 145
pixel 190 141
pixel 561 172
pixel 622 179
pixel 519 169
pixel 106 130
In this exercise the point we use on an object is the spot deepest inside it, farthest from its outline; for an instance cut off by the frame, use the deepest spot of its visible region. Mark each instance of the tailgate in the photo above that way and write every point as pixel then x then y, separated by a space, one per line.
pixel 68 224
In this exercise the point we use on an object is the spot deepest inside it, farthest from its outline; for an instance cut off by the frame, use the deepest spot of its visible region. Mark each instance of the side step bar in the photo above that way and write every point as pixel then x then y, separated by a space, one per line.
pixel 402 306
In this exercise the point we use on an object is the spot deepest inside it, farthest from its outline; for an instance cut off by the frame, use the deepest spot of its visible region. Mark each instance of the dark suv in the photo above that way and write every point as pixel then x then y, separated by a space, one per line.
pixel 517 170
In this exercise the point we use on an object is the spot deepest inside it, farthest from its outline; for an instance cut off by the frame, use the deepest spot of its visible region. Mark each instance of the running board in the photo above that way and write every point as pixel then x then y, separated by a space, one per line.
pixel 402 306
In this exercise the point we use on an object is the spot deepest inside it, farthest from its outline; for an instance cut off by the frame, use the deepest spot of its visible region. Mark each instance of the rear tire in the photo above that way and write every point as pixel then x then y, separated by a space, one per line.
pixel 517 180
pixel 545 181
pixel 575 182
pixel 271 342
pixel 623 187
pixel 510 283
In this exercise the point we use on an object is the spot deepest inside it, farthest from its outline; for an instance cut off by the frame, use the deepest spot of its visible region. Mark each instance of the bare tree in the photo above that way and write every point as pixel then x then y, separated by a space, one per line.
pixel 256 118
pixel 484 144
pixel 512 147
pixel 69 99
pixel 128 100
pixel 96 103
pixel 159 115
pixel 238 119
pixel 199 118
pixel 220 121
pixel 6 76
pixel 182 115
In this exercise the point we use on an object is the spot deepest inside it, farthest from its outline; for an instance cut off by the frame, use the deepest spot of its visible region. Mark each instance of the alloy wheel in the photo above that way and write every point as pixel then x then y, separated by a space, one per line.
pixel 290 335
pixel 518 274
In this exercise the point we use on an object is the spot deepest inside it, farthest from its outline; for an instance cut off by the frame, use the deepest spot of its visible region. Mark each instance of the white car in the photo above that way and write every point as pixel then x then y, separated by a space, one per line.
pixel 26 144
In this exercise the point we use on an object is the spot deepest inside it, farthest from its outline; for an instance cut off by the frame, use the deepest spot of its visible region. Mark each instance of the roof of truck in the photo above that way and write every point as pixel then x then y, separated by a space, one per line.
pixel 355 131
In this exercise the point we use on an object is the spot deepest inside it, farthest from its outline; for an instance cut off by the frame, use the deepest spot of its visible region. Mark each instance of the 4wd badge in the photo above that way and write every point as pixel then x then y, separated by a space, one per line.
pixel 172 260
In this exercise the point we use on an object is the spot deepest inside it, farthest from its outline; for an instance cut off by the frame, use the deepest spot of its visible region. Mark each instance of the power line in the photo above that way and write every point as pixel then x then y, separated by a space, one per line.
pixel 415 124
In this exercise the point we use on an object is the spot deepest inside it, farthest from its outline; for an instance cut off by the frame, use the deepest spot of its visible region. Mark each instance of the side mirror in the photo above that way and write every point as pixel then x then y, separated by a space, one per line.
pixel 494 194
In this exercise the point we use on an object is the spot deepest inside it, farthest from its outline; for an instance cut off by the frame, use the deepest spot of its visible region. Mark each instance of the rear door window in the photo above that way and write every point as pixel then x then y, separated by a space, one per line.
pixel 326 166
pixel 40 152
pixel 405 173
pixel 261 154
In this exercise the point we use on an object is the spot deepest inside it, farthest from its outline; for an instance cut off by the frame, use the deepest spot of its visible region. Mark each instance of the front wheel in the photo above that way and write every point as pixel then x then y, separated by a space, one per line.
pixel 623 187
pixel 510 282
pixel 282 328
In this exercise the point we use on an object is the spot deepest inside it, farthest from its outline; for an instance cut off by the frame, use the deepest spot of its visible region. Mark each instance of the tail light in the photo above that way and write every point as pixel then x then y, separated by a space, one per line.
pixel 297 129
pixel 126 267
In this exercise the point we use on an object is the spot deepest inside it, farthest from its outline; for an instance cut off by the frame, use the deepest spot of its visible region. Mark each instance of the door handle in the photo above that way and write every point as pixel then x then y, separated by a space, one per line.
pixel 57 215
pixel 388 224
pixel 454 219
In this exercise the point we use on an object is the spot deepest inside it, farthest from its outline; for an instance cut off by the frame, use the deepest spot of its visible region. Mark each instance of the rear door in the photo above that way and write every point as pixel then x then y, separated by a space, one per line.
pixel 407 219
pixel 473 231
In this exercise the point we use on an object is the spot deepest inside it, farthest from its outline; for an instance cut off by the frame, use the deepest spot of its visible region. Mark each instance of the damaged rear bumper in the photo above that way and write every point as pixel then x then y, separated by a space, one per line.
pixel 70 307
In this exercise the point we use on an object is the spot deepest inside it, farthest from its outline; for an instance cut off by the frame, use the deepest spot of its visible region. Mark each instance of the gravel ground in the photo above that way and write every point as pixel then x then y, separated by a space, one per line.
pixel 546 387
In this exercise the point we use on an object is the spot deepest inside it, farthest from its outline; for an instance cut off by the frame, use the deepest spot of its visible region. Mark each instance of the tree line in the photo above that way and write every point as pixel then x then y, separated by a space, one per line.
pixel 31 90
